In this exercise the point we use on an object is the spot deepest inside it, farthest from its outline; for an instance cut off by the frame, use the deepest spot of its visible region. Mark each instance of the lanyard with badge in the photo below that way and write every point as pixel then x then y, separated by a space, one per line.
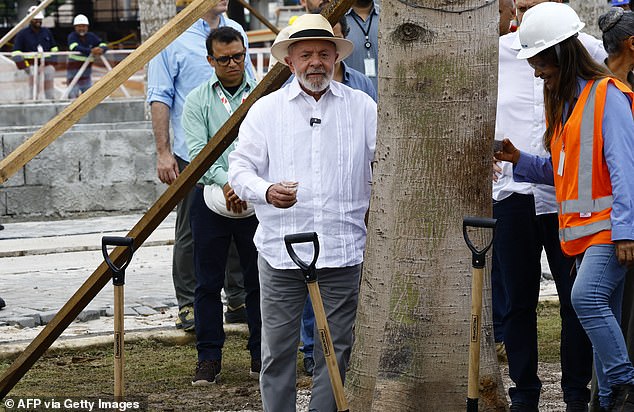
pixel 225 101
pixel 368 62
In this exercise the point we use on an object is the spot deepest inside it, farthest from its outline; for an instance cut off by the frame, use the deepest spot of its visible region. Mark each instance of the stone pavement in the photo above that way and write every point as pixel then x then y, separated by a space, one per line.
pixel 42 264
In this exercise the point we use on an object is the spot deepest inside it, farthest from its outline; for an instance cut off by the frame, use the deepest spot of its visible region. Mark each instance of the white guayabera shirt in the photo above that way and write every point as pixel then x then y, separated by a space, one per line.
pixel 330 159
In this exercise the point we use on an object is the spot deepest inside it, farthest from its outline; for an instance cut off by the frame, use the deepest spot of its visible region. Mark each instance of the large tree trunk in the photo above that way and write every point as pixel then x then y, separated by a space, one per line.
pixel 589 12
pixel 154 14
pixel 437 88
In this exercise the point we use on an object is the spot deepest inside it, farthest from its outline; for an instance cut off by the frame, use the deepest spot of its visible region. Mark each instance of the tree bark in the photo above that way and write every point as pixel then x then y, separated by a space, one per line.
pixel 589 12
pixel 154 14
pixel 437 88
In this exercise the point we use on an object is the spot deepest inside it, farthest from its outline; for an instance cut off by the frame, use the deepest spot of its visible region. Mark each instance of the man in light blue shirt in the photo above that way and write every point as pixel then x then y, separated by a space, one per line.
pixel 172 74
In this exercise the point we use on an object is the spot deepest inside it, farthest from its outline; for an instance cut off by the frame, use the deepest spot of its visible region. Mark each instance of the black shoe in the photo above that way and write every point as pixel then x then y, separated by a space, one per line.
pixel 2 304
pixel 1 227
pixel 520 407
pixel 237 315
pixel 309 365
pixel 207 373
pixel 577 406
pixel 622 398
pixel 256 367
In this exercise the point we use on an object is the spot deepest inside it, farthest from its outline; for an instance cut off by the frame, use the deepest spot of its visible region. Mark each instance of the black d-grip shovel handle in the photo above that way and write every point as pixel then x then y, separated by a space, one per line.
pixel 308 270
pixel 118 273
pixel 483 222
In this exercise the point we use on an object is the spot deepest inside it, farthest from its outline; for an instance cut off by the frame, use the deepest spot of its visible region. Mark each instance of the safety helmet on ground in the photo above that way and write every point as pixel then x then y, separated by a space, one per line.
pixel 545 25
pixel 39 15
pixel 80 19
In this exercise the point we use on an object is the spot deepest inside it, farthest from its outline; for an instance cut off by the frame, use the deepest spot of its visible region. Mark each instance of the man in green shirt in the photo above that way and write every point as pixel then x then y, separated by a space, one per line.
pixel 217 214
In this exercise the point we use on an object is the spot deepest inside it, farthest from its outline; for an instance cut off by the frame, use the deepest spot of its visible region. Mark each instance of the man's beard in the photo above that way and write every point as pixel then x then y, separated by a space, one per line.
pixel 319 85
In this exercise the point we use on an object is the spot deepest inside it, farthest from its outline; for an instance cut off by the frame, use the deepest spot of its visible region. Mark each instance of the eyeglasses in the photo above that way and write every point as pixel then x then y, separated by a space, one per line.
pixel 224 60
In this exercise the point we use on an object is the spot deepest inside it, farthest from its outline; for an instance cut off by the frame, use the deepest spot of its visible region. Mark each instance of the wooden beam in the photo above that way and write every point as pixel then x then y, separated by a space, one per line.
pixel 102 89
pixel 259 16
pixel 150 221
pixel 23 23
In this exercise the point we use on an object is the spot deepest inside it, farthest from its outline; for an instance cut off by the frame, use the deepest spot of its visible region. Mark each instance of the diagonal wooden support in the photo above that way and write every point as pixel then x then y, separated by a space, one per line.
pixel 150 221
pixel 102 89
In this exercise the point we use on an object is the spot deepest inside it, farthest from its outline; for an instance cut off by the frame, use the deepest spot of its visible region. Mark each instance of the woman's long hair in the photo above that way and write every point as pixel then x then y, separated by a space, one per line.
pixel 573 61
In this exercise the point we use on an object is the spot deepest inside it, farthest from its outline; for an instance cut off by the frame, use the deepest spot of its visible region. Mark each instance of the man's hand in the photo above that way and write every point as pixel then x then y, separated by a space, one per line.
pixel 497 170
pixel 167 167
pixel 281 197
pixel 625 252
pixel 509 153
pixel 96 51
pixel 233 202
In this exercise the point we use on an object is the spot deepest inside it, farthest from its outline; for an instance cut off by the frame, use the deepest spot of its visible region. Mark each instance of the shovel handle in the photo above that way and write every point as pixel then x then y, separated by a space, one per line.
pixel 307 269
pixel 118 272
pixel 480 222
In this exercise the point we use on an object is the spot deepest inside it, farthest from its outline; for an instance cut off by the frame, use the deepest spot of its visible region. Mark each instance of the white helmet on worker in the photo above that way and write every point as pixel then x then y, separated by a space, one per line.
pixel 545 25
pixel 80 19
pixel 39 15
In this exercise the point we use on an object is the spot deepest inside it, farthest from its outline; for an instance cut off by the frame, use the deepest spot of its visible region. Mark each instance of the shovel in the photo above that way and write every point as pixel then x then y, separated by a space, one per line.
pixel 118 280
pixel 310 275
pixel 478 258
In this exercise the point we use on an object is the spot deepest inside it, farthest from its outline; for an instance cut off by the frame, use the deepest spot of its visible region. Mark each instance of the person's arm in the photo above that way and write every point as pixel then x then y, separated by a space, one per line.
pixel 527 168
pixel 618 149
pixel 250 159
pixel 18 50
pixel 166 165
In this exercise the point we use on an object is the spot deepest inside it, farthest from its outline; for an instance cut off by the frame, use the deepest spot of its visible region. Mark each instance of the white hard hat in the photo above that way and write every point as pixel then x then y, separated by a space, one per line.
pixel 80 19
pixel 39 15
pixel 545 25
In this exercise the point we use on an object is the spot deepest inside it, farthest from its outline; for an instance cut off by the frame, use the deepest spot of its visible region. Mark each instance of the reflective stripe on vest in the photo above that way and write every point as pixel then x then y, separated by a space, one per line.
pixel 585 204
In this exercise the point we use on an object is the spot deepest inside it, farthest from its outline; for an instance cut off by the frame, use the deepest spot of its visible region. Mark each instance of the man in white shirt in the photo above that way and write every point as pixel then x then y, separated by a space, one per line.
pixel 527 223
pixel 320 134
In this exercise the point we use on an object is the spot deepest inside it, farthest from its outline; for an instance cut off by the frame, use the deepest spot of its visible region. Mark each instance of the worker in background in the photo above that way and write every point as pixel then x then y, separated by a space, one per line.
pixel 88 44
pixel 30 41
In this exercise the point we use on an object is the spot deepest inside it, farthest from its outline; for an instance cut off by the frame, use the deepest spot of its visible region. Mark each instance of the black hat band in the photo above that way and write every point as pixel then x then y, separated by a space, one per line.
pixel 311 33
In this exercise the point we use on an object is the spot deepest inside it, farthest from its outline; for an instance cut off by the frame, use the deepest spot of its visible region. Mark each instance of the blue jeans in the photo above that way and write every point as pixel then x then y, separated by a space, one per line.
pixel 519 238
pixel 307 331
pixel 212 235
pixel 597 296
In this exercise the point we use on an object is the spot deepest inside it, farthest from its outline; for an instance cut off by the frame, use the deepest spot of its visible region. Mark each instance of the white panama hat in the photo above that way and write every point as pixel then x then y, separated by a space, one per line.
pixel 309 27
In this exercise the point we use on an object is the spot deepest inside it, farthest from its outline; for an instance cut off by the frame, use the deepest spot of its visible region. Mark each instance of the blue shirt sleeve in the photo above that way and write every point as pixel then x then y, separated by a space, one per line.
pixel 160 79
pixel 618 149
pixel 534 169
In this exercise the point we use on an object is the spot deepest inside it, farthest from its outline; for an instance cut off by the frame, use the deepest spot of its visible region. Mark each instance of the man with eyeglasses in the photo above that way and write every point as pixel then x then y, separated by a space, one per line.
pixel 172 74
pixel 216 215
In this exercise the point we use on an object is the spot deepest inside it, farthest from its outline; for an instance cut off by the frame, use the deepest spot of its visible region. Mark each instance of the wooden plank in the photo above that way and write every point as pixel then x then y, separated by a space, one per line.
pixel 24 22
pixel 259 16
pixel 150 221
pixel 102 89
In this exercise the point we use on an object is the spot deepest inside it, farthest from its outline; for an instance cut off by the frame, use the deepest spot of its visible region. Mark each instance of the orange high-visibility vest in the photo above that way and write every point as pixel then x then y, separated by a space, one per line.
pixel 582 182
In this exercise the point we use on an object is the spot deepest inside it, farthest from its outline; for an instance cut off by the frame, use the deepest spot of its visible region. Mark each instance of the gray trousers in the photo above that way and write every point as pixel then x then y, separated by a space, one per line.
pixel 183 274
pixel 282 297
pixel 234 279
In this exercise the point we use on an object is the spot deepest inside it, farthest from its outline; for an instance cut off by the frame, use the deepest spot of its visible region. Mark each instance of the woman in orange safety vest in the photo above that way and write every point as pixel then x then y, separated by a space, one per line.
pixel 590 136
